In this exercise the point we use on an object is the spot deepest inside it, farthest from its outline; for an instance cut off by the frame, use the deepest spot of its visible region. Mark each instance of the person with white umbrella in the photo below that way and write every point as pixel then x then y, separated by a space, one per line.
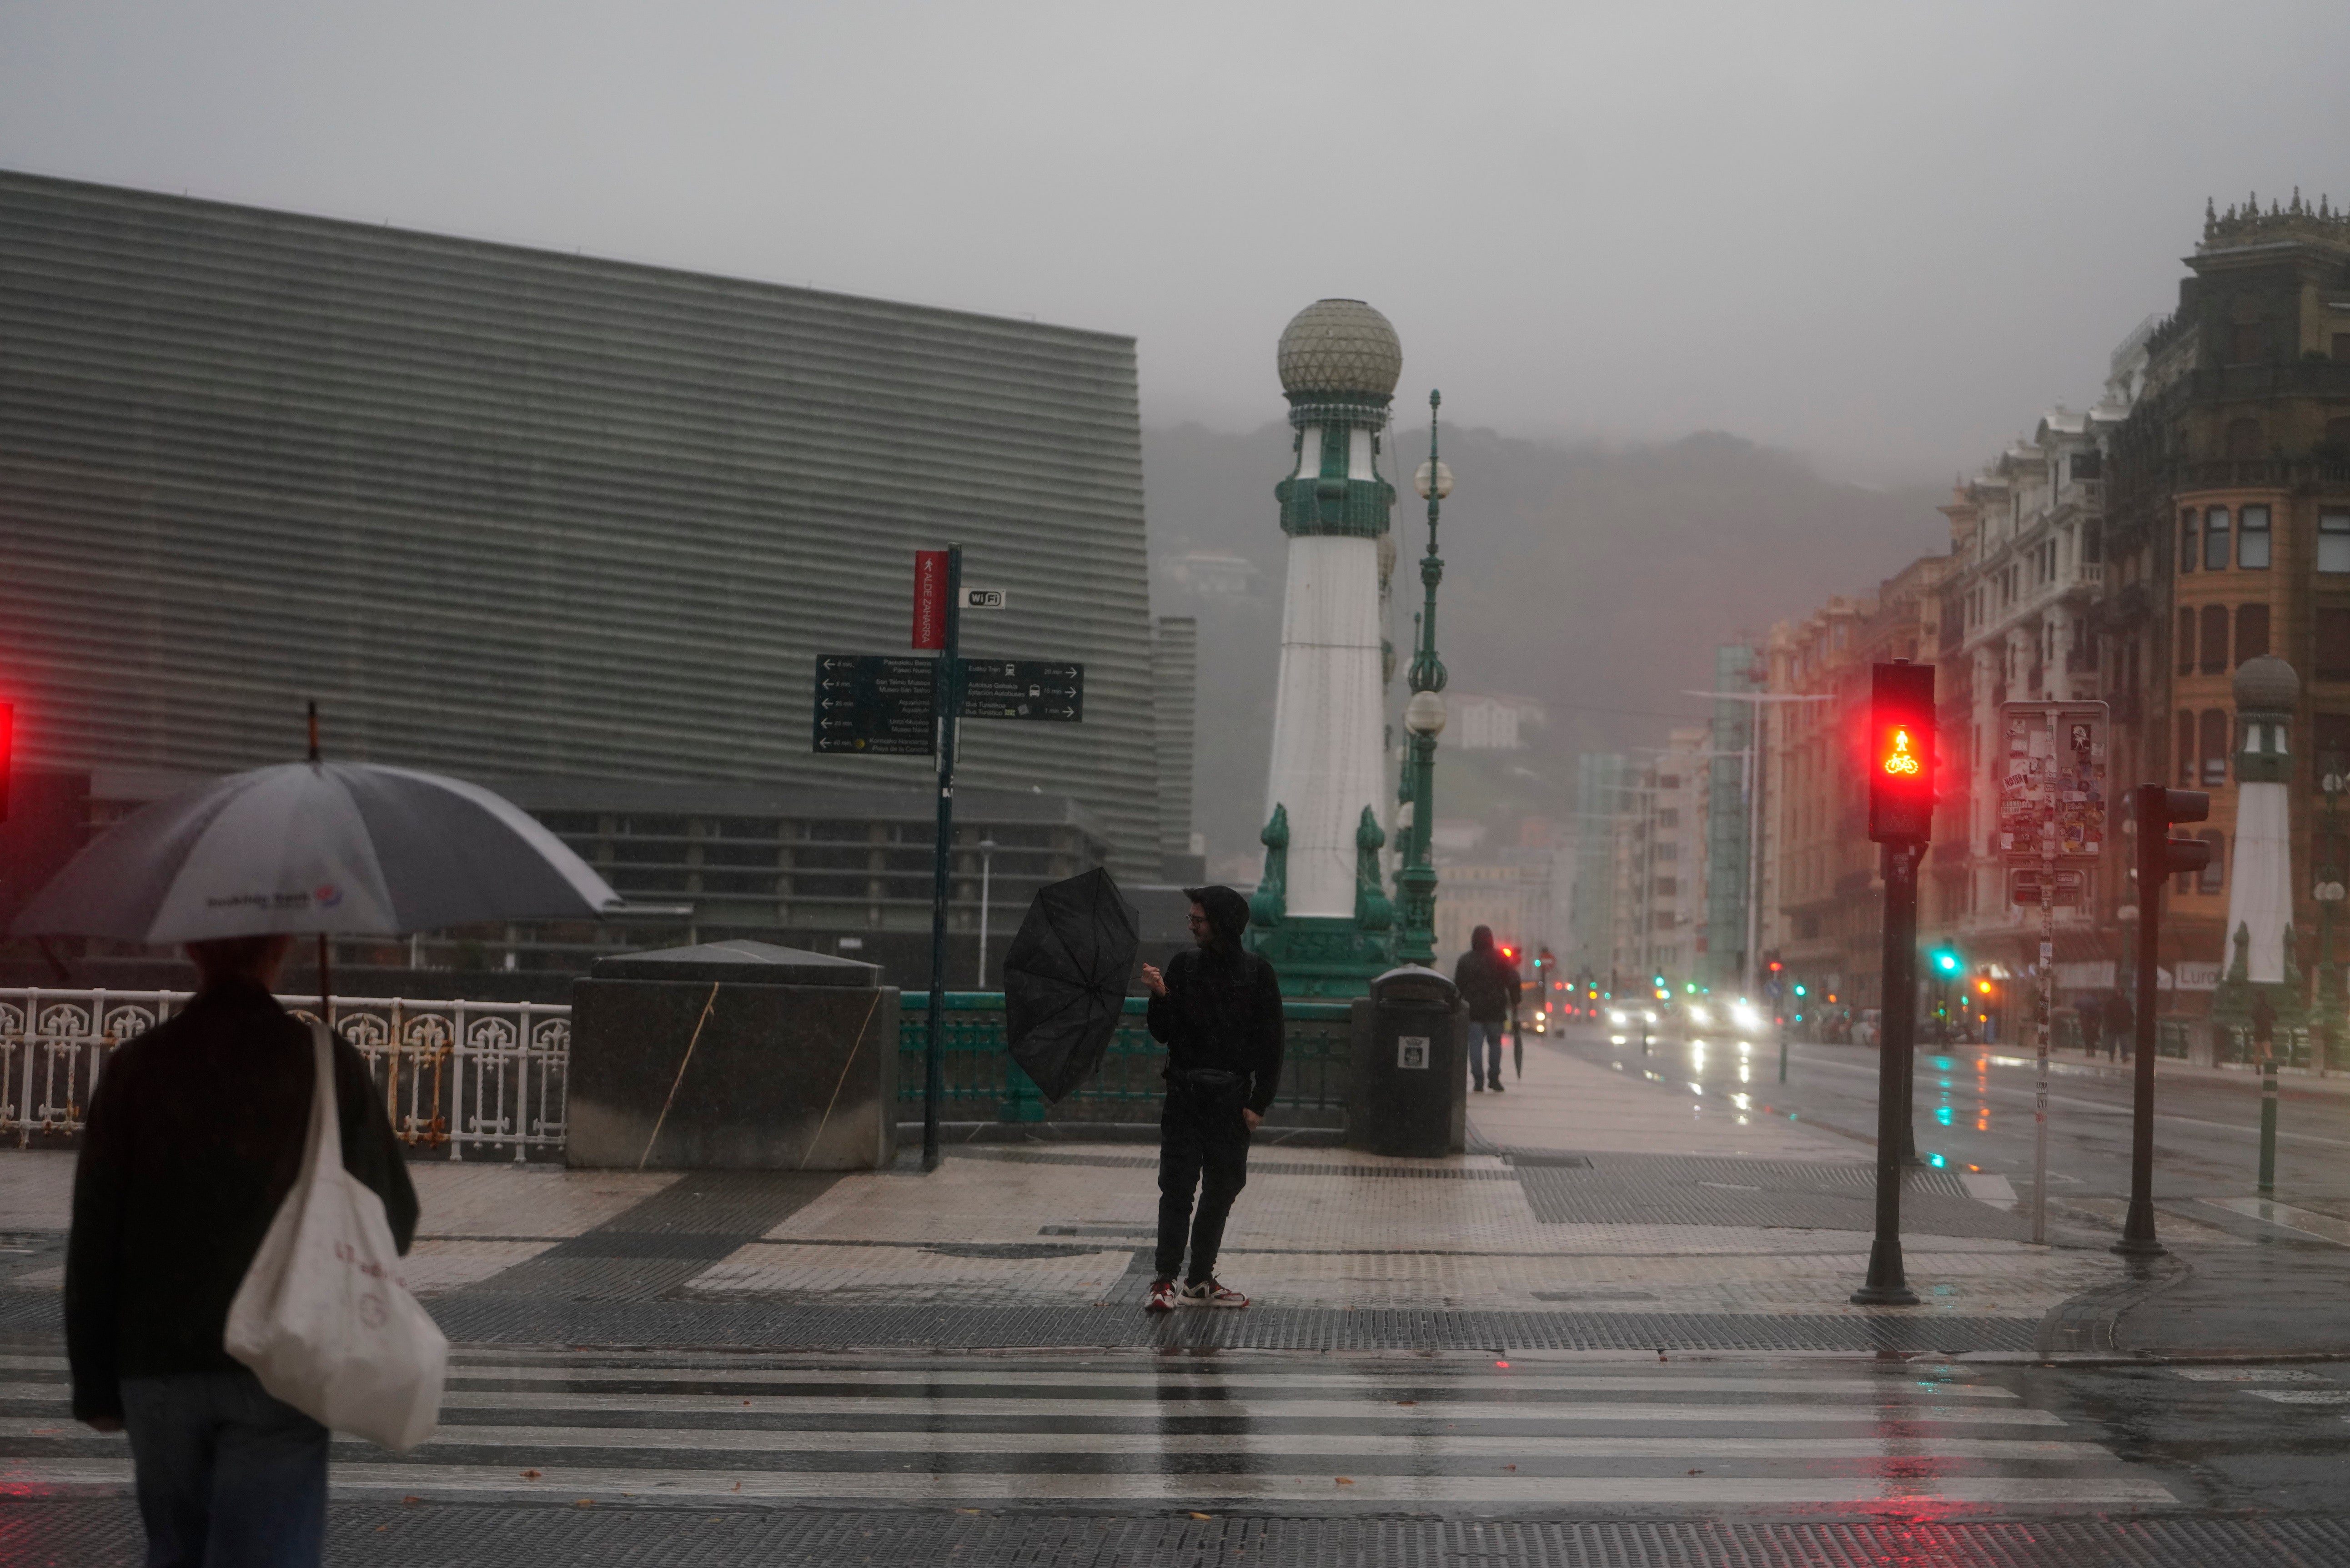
pixel 198 1130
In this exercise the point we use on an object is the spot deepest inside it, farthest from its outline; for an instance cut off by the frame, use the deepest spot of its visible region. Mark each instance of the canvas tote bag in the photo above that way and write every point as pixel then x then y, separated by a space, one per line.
pixel 322 1317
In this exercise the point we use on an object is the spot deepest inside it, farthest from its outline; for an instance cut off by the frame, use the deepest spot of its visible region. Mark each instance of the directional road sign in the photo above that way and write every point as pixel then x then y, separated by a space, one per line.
pixel 1024 688
pixel 875 704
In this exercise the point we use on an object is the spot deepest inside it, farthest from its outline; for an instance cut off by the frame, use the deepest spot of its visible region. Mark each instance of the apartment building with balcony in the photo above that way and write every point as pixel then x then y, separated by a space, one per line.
pixel 2021 621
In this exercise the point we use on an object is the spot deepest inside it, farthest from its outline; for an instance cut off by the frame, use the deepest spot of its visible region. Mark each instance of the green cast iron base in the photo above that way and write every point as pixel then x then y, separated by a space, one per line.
pixel 1324 955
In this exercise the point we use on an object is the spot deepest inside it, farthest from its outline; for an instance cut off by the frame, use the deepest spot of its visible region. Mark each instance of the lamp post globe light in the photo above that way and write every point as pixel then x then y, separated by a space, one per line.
pixel 1423 718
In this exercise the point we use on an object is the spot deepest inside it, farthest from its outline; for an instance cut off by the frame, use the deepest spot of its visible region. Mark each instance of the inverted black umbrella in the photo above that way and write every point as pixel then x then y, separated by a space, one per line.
pixel 1064 980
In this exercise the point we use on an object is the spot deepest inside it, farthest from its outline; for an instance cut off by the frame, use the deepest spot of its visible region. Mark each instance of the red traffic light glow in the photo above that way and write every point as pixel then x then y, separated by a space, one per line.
pixel 1901 753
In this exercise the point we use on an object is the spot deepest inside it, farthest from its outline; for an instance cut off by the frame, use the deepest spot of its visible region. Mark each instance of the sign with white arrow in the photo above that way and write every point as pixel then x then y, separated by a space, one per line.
pixel 1037 689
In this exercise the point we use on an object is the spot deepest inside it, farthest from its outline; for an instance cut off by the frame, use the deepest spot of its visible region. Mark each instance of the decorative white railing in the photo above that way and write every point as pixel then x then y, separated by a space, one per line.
pixel 471 1076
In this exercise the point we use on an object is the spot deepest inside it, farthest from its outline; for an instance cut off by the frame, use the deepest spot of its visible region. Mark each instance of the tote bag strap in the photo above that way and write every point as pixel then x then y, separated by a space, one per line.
pixel 323 1149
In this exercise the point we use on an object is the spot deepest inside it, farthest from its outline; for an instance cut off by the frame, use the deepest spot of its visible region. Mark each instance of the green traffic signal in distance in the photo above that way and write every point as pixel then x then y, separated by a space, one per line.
pixel 1945 959
pixel 1799 992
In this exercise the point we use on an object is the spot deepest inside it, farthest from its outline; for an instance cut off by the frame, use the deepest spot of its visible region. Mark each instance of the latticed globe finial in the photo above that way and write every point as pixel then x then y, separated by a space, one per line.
pixel 1339 348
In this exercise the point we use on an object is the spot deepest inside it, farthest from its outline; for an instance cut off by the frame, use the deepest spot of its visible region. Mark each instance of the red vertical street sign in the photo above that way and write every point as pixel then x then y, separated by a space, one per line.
pixel 930 598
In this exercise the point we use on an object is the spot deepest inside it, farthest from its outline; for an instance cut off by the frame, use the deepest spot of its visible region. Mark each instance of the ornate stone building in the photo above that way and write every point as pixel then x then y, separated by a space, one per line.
pixel 2229 502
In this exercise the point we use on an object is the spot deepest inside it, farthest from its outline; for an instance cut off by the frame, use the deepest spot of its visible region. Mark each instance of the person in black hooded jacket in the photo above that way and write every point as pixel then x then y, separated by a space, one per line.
pixel 1217 1009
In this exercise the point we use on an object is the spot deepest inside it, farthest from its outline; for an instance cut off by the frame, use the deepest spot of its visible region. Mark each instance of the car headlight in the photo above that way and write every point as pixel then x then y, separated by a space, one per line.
pixel 1616 1015
pixel 1651 1017
pixel 1698 1015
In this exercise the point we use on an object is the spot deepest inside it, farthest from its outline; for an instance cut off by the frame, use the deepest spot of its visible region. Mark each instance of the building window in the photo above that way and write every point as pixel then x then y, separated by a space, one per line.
pixel 2332 643
pixel 2342 347
pixel 2334 541
pixel 2252 537
pixel 1668 815
pixel 2213 876
pixel 1664 888
pixel 2248 342
pixel 2186 729
pixel 2251 628
pixel 2186 642
pixel 2187 540
pixel 2215 539
pixel 2212 738
pixel 2214 647
pixel 2092 542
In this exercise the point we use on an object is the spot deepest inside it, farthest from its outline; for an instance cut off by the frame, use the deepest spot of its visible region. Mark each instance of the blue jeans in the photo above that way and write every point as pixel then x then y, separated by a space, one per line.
pixel 1486 1062
pixel 228 1476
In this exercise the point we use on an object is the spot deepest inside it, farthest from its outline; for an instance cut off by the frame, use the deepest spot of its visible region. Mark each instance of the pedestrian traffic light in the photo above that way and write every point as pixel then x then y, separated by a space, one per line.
pixel 2159 854
pixel 1901 753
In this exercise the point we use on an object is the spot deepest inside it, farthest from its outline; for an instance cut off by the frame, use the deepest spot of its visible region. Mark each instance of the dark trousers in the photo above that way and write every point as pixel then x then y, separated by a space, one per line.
pixel 1202 1144
pixel 227 1475
pixel 1485 1058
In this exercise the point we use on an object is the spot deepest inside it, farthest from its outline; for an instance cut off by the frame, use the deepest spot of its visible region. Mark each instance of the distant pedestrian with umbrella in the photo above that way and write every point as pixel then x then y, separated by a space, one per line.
pixel 1217 1009
pixel 240 1201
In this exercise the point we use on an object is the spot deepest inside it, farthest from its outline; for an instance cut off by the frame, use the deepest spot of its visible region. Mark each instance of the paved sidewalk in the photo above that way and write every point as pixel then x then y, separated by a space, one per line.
pixel 1598 1212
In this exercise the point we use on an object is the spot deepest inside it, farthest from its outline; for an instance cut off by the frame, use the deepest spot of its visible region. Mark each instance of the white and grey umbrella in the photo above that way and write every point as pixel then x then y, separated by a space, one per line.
pixel 335 849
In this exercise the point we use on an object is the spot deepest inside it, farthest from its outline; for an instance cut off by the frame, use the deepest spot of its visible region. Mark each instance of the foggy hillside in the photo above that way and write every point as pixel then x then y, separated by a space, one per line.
pixel 1594 580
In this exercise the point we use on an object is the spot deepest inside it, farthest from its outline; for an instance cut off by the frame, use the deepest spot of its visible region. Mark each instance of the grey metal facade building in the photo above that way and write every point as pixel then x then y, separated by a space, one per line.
pixel 511 514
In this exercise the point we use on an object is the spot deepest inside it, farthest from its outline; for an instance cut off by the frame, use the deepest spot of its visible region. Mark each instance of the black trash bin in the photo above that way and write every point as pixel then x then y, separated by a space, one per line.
pixel 1408 1066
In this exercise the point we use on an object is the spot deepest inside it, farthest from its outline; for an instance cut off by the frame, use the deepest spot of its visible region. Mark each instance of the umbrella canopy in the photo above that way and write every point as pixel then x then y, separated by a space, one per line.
pixel 1064 978
pixel 336 848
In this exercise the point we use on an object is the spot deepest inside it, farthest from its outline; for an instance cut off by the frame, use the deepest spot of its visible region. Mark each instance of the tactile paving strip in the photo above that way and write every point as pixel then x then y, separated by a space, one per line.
pixel 473 1318
pixel 104 1534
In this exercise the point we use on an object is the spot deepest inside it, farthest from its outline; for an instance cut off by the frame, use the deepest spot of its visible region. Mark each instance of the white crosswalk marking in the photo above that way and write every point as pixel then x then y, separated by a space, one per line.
pixel 1038 1428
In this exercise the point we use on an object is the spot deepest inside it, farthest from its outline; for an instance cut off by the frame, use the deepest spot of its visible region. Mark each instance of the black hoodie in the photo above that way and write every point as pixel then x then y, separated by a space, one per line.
pixel 1222 1006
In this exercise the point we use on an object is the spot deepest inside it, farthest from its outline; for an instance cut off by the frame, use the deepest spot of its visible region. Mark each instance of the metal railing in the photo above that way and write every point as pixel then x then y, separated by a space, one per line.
pixel 472 1076
pixel 983 1084
pixel 489 1076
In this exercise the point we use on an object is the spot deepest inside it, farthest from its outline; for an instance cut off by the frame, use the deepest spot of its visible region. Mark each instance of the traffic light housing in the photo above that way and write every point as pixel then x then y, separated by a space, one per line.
pixel 2159 854
pixel 1901 753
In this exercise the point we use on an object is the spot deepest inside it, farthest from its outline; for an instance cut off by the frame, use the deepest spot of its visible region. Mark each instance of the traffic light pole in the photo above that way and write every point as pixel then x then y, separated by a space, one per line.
pixel 2138 1227
pixel 2153 809
pixel 948 686
pixel 1897 1042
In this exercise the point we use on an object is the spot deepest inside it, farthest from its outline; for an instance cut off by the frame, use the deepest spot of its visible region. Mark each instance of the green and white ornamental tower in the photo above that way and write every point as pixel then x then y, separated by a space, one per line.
pixel 1320 913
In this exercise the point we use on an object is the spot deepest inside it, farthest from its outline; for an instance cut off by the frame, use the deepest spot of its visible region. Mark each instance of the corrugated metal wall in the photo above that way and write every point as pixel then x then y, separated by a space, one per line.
pixel 509 512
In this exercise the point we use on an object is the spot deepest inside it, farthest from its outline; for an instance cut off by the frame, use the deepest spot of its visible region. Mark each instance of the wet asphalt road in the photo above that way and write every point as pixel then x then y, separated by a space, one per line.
pixel 1974 1113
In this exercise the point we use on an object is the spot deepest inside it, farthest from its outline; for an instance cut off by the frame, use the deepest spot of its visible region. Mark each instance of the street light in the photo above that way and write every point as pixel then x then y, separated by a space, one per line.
pixel 1423 718
pixel 987 848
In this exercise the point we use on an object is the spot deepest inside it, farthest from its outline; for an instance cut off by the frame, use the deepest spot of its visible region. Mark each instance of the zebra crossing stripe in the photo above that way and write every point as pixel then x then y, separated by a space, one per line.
pixel 905 1487
pixel 1488 1386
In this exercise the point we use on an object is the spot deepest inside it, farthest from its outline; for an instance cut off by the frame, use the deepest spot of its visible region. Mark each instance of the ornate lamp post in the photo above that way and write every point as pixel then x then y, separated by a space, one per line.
pixel 1423 716
pixel 2328 892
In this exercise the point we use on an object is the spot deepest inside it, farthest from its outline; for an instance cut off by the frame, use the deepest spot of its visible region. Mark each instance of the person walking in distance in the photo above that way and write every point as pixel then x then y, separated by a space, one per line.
pixel 1217 1009
pixel 195 1135
pixel 1489 984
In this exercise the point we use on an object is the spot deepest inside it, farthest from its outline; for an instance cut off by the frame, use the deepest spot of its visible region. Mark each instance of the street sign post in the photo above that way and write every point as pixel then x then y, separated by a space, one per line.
pixel 2052 814
pixel 886 706
pixel 1901 758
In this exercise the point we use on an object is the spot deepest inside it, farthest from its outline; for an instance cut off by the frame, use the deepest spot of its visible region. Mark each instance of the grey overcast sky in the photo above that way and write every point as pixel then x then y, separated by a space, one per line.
pixel 1884 234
